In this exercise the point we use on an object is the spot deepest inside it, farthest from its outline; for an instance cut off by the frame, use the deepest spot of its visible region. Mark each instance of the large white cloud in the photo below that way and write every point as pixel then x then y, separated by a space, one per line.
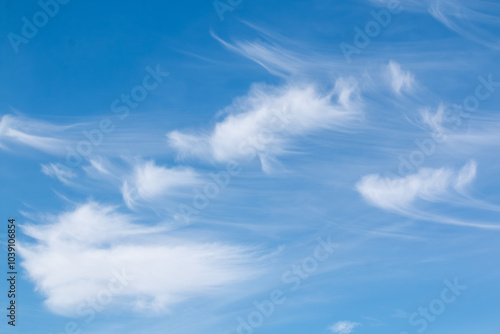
pixel 76 255
pixel 264 122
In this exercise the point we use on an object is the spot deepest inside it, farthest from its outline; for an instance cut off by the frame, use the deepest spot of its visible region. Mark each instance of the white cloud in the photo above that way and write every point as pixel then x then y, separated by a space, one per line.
pixel 400 80
pixel 434 121
pixel 270 54
pixel 400 193
pixel 465 176
pixel 96 166
pixel 474 20
pixel 58 171
pixel 344 327
pixel 264 122
pixel 150 181
pixel 76 253
pixel 400 314
pixel 38 135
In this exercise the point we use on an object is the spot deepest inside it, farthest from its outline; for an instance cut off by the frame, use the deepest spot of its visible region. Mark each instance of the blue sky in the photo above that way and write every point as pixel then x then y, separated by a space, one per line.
pixel 252 166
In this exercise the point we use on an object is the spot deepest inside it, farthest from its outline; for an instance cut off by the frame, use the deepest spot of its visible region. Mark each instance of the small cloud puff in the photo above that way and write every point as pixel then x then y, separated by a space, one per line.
pixel 400 80
pixel 344 327
pixel 398 194
pixel 150 182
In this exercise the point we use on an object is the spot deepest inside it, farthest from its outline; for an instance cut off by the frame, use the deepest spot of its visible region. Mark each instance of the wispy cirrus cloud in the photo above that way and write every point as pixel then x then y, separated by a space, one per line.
pixel 97 167
pixel 59 172
pixel 35 134
pixel 270 53
pixel 400 80
pixel 474 20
